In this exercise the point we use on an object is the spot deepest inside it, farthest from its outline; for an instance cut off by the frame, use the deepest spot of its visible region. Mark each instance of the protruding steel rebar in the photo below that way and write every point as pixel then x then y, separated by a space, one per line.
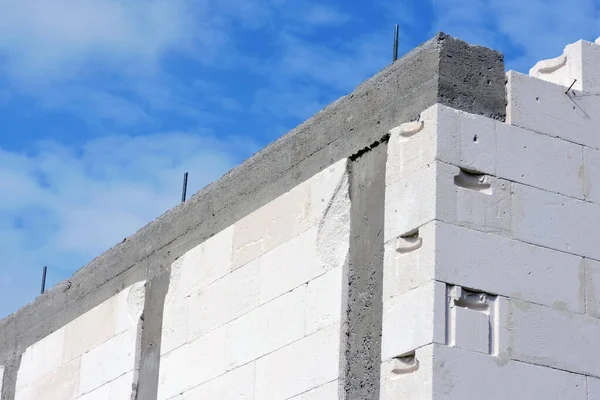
pixel 44 279
pixel 396 37
pixel 184 191
pixel 567 92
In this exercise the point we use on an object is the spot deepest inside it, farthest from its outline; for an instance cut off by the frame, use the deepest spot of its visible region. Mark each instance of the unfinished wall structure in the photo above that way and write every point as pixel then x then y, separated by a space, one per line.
pixel 432 235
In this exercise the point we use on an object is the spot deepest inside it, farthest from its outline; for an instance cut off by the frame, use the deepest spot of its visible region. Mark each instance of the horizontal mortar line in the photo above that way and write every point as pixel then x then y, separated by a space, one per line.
pixel 552 136
pixel 312 388
pixel 519 183
pixel 249 262
pixel 583 375
pixel 111 381
pixel 248 312
pixel 256 359
pixel 506 296
pixel 496 234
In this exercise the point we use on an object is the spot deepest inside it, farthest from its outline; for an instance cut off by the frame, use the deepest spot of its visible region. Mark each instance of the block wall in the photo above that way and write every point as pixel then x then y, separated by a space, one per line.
pixel 262 300
pixel 433 235
pixel 92 357
pixel 491 273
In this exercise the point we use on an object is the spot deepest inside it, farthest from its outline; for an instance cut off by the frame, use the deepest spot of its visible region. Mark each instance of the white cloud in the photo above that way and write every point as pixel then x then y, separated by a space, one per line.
pixel 51 40
pixel 62 206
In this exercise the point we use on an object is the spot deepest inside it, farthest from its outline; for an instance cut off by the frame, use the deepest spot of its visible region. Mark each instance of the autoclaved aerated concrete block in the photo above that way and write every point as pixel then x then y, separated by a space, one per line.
pixel 175 379
pixel 413 319
pixel 576 66
pixel 592 292
pixel 287 216
pixel 326 392
pixel 306 364
pixel 459 374
pixel 544 107
pixel 237 384
pixel 223 300
pixel 554 338
pixel 267 328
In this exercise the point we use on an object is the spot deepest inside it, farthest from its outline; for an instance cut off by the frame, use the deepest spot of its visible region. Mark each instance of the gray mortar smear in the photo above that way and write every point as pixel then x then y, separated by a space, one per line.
pixel 443 70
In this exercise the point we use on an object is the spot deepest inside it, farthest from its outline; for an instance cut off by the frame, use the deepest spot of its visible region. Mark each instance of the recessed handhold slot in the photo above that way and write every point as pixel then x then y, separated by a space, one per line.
pixel 473 181
pixel 408 242
pixel 408 129
pixel 405 364
pixel 551 65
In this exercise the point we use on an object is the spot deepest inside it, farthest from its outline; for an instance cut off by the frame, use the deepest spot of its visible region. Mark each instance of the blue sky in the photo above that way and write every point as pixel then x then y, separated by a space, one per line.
pixel 105 103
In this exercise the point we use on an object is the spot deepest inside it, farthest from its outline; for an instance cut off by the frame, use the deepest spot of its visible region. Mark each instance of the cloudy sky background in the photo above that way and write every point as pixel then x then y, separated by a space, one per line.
pixel 105 103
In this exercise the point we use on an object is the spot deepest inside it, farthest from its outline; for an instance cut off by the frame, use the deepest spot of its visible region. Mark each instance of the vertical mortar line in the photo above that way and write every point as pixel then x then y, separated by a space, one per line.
pixel 149 340
pixel 9 379
pixel 361 352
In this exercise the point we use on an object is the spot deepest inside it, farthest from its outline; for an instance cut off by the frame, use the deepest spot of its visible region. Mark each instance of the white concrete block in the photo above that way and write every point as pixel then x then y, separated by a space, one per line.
pixel 479 202
pixel 193 364
pixel 224 300
pixel 577 66
pixel 592 288
pixel 108 361
pixel 120 388
pixel 176 317
pixel 449 135
pixel 290 265
pixel 273 224
pixel 554 338
pixel 90 329
pixel 539 160
pixel 41 358
pixel 329 391
pixel 129 307
pixel 201 265
pixel 593 388
pixel 308 363
pixel 544 107
pixel 414 319
pixel 234 385
pixel 410 151
pixel 408 378
pixel 410 202
pixel 467 140
pixel 267 328
pixel 555 221
pixel 460 374
pixel 473 330
pixel 324 300
pixel 409 262
pixel 325 185
pixel 591 174
pixel 61 383
pixel 511 268
pixel 1 376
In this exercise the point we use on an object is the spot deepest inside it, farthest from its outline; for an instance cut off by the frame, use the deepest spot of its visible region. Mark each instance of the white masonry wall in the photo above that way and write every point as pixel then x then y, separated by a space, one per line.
pixel 491 273
pixel 90 358
pixel 255 311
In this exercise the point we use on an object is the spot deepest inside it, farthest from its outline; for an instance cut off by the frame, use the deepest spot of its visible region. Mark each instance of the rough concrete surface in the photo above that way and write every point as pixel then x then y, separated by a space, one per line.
pixel 443 70
pixel 9 381
pixel 362 351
